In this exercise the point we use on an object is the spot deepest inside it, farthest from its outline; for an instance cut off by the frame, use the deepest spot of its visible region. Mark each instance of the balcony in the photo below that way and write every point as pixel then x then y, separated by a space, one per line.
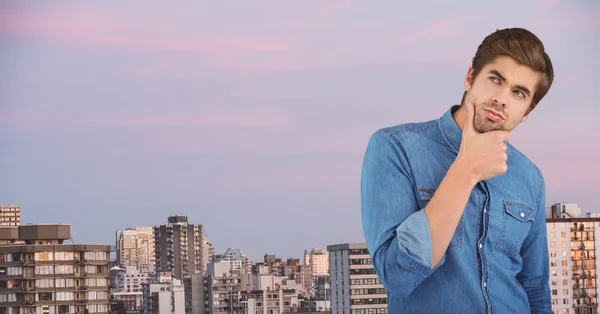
pixel 28 262
pixel 28 289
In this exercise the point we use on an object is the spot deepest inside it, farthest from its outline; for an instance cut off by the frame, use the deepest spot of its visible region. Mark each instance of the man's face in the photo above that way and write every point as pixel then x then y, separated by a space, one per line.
pixel 501 93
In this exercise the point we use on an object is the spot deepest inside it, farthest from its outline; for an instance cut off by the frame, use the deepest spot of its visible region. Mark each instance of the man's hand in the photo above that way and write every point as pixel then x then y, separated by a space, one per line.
pixel 482 154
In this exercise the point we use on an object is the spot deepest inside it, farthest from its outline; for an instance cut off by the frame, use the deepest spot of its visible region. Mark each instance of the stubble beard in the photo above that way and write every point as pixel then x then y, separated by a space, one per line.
pixel 482 124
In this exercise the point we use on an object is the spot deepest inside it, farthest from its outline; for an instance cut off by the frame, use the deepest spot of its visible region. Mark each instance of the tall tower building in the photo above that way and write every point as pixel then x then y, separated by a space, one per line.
pixel 573 244
pixel 318 259
pixel 135 247
pixel 181 248
pixel 10 215
pixel 355 286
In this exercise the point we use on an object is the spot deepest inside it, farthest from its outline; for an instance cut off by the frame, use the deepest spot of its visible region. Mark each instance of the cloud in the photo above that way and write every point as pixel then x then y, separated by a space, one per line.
pixel 573 19
pixel 102 33
pixel 255 119
pixel 432 30
pixel 289 44
pixel 224 119
pixel 333 7
pixel 547 3
pixel 330 177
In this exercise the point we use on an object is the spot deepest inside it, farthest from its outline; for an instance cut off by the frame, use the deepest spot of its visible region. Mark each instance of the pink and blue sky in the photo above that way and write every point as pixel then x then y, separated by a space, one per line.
pixel 251 117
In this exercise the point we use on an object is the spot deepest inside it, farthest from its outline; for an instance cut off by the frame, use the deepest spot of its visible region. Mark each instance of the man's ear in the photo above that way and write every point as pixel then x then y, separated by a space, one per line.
pixel 469 79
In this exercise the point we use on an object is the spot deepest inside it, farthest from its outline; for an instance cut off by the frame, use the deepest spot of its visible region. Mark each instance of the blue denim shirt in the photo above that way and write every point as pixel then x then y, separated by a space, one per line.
pixel 497 261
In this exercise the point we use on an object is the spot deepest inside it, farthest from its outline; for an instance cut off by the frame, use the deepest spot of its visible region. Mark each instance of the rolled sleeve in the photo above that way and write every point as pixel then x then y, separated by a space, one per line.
pixel 414 239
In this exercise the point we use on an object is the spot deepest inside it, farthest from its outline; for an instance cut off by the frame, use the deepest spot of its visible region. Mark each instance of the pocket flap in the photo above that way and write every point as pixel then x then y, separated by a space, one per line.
pixel 520 211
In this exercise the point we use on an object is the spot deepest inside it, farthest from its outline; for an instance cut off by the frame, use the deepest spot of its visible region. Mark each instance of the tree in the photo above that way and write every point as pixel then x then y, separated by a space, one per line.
pixel 120 308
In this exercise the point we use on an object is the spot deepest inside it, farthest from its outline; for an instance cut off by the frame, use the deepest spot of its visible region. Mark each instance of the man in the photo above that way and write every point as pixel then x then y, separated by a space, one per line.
pixel 453 215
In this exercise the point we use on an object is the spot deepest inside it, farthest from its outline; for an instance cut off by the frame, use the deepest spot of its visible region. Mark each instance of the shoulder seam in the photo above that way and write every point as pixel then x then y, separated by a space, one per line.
pixel 407 129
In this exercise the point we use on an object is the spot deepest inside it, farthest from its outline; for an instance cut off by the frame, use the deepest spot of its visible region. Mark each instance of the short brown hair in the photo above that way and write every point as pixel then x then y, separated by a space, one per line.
pixel 522 46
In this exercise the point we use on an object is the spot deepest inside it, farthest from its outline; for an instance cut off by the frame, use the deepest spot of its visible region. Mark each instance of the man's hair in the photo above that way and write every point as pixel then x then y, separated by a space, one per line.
pixel 524 48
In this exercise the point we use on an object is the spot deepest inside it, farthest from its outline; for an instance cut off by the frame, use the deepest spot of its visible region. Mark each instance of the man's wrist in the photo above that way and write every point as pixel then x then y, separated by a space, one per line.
pixel 463 174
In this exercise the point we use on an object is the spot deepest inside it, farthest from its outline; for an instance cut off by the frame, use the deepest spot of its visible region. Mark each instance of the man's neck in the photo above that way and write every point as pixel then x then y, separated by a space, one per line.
pixel 459 116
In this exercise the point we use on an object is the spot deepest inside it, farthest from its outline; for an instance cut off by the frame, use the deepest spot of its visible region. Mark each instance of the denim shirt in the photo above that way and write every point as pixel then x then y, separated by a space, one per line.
pixel 497 261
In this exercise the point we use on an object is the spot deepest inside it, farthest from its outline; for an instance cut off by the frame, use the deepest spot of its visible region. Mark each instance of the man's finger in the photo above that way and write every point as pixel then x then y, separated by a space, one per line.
pixel 468 123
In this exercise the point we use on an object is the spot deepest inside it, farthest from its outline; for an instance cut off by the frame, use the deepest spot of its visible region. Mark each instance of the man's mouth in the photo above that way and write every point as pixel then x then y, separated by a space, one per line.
pixel 493 115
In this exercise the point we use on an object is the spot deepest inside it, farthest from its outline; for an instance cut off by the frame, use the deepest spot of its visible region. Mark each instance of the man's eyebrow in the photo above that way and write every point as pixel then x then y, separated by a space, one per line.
pixel 521 87
pixel 496 73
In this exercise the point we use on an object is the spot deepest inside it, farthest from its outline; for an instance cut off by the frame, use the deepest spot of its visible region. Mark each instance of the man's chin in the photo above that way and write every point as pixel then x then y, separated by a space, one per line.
pixel 488 127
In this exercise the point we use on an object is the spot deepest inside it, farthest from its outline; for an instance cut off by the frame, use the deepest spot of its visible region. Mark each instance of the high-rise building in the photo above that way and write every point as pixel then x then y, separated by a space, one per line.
pixel 355 286
pixel 40 273
pixel 181 248
pixel 573 246
pixel 237 259
pixel 135 247
pixel 10 215
pixel 318 259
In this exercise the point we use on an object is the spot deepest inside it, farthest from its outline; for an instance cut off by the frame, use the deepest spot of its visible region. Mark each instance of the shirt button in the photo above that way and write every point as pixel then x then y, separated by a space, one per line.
pixel 480 245
pixel 484 284
pixel 484 210
pixel 522 214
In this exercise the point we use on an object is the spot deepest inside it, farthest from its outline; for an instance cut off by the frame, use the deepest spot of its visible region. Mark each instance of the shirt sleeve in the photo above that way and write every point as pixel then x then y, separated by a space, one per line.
pixel 535 274
pixel 396 229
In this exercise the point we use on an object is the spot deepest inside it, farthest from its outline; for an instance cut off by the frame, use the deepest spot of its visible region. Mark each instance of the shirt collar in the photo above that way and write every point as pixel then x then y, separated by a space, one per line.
pixel 451 133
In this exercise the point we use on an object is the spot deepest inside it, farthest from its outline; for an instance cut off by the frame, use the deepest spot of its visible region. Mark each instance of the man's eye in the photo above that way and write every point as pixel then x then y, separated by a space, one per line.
pixel 520 93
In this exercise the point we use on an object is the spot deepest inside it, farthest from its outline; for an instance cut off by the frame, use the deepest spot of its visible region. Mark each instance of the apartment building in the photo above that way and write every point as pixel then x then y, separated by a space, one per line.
pixel 135 247
pixel 40 273
pixel 195 294
pixel 237 259
pixel 223 288
pixel 165 295
pixel 181 248
pixel 266 301
pixel 133 301
pixel 128 279
pixel 10 215
pixel 318 259
pixel 573 242
pixel 355 286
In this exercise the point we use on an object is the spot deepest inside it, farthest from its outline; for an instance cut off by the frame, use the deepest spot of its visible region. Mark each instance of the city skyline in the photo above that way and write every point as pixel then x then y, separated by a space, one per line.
pixel 252 119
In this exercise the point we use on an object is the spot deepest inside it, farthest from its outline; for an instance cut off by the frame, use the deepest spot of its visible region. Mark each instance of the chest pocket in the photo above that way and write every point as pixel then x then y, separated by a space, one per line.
pixel 516 223
pixel 425 195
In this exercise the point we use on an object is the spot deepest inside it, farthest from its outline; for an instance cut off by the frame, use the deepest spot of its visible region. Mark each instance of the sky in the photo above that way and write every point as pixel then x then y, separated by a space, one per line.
pixel 252 118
